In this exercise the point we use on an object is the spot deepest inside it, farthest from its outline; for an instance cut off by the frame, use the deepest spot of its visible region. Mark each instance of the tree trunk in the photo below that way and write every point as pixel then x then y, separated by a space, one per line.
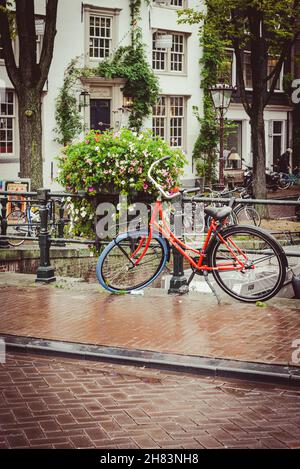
pixel 259 159
pixel 30 132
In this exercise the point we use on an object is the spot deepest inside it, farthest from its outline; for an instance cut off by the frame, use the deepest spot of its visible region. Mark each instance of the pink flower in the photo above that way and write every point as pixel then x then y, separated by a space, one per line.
pixel 91 189
pixel 140 170
pixel 145 186
pixel 131 170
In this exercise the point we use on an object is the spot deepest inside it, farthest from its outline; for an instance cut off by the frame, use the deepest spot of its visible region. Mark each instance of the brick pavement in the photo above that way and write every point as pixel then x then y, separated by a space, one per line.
pixel 48 402
pixel 181 325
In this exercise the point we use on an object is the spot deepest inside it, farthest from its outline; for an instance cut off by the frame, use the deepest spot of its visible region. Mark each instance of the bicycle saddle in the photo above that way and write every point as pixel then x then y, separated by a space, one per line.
pixel 218 213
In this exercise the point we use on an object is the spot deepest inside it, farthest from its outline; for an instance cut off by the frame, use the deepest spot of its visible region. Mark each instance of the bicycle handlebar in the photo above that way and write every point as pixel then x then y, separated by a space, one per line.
pixel 158 186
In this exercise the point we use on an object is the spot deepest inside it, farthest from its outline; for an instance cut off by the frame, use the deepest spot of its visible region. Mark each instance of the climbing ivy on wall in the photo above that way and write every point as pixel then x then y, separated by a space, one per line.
pixel 213 67
pixel 128 62
pixel 67 115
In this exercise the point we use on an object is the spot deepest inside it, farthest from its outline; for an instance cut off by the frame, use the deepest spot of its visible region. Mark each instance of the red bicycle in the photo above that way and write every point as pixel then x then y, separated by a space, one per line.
pixel 245 261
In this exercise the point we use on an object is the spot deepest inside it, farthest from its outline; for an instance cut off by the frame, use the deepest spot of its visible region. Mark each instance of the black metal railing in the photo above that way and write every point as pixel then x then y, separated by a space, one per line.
pixel 42 197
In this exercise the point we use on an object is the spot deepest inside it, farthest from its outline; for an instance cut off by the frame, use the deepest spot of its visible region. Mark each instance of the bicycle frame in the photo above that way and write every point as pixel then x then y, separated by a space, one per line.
pixel 200 265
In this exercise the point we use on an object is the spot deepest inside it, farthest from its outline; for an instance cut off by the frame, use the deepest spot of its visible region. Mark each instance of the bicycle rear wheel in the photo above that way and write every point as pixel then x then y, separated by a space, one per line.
pixel 116 269
pixel 16 226
pixel 264 263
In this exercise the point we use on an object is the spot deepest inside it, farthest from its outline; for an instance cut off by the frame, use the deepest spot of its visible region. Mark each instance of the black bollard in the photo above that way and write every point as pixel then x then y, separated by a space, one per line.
pixel 178 280
pixel 3 241
pixel 45 272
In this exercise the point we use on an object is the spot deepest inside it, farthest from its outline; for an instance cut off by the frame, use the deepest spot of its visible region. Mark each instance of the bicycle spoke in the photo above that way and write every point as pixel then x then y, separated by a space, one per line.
pixel 119 269
pixel 263 271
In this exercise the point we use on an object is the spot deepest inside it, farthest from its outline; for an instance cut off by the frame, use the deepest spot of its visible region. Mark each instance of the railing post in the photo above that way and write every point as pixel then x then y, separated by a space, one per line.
pixel 178 279
pixel 3 241
pixel 45 272
pixel 60 223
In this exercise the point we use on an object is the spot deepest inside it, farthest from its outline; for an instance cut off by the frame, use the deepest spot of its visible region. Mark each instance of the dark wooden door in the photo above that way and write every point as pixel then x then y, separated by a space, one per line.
pixel 100 114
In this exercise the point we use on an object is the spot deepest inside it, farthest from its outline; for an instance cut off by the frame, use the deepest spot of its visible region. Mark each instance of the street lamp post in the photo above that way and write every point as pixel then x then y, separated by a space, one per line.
pixel 221 97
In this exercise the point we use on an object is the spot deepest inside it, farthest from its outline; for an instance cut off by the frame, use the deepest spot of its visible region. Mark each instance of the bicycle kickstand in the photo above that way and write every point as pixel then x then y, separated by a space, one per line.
pixel 205 274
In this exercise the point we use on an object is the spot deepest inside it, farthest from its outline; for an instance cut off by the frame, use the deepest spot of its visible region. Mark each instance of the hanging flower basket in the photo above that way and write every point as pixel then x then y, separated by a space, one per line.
pixel 113 163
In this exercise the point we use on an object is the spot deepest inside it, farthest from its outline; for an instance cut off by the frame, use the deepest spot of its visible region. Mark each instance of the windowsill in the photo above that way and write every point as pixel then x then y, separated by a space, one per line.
pixel 93 63
pixel 275 91
pixel 170 74
pixel 8 159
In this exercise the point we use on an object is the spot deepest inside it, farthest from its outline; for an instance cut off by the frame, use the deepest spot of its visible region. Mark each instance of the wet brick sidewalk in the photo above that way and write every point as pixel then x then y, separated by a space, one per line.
pixel 195 326
pixel 48 402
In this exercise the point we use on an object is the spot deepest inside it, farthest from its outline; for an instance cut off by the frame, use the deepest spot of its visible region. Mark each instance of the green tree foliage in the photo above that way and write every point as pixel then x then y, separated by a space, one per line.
pixel 205 149
pixel 265 28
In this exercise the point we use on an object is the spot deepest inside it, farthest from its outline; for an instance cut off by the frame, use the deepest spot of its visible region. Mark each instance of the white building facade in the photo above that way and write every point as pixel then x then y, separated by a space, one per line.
pixel 93 30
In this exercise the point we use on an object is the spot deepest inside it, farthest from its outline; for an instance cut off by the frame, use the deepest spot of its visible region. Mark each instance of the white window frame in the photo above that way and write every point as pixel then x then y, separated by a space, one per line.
pixel 280 89
pixel 167 120
pixel 244 70
pixel 273 134
pixel 110 13
pixel 7 156
pixel 168 4
pixel 277 90
pixel 168 54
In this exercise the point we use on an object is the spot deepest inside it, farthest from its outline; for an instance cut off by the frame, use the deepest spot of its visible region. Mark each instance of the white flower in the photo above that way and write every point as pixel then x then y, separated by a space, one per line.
pixel 97 148
pixel 123 183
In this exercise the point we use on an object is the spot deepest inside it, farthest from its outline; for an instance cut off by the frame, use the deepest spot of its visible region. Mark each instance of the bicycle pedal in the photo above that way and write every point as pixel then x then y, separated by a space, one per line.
pixel 183 290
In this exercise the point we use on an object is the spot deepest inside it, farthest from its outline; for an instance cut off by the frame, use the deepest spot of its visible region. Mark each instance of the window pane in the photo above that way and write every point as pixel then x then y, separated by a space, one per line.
pixel 277 143
pixel 234 144
pixel 277 127
pixel 247 71
pixel 159 117
pixel 177 3
pixel 176 121
pixel 228 67
pixel 271 66
pixel 177 53
pixel 100 37
pixel 159 56
pixel 6 122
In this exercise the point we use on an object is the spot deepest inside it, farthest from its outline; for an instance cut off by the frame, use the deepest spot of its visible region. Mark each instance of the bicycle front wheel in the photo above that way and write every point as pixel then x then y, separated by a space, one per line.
pixel 247 215
pixel 117 270
pixel 284 182
pixel 249 264
pixel 16 227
